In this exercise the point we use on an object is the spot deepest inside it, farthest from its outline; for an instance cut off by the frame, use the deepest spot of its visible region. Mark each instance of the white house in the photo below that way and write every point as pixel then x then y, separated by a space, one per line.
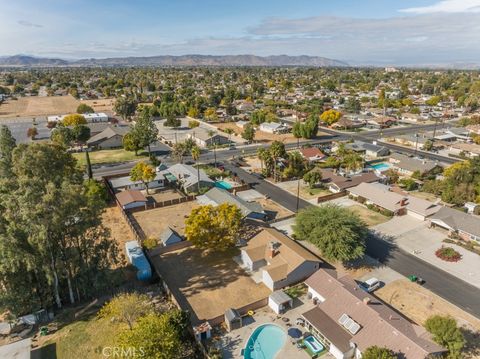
pixel 274 127
pixel 281 260
pixel 89 117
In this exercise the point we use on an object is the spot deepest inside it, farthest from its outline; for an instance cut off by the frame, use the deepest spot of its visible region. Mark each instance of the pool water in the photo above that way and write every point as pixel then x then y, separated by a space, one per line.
pixel 313 344
pixel 265 342
pixel 223 185
pixel 382 166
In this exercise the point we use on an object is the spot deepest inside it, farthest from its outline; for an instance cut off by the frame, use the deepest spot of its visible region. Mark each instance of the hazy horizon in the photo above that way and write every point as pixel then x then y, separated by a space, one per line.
pixel 371 32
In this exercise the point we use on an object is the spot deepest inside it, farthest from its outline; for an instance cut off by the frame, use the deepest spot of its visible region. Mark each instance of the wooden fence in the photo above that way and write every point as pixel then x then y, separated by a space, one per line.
pixel 159 250
pixel 170 202
pixel 329 197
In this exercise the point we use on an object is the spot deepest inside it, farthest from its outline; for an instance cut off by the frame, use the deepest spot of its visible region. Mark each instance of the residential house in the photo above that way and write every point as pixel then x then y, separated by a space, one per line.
pixel 380 196
pixel 281 260
pixel 468 149
pixel 347 124
pixel 125 183
pixel 204 139
pixel 111 137
pixel 274 127
pixel 383 197
pixel 241 123
pixel 348 320
pixel 408 165
pixel 186 177
pixel 465 226
pixel 169 237
pixel 245 106
pixel 380 122
pixel 368 149
pixel 129 199
pixel 312 154
pixel 417 141
pixel 217 196
pixel 337 183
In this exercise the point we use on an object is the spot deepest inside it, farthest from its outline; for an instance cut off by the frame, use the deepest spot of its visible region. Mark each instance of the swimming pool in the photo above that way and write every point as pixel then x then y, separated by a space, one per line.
pixel 381 166
pixel 265 342
pixel 223 185
pixel 313 344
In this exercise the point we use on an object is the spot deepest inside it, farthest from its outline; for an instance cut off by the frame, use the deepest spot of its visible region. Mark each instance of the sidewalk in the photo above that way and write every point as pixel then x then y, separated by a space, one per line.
pixel 413 236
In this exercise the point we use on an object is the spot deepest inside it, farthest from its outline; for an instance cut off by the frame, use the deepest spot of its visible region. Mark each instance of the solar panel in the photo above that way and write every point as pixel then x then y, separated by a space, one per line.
pixel 343 319
pixel 354 328
pixel 348 323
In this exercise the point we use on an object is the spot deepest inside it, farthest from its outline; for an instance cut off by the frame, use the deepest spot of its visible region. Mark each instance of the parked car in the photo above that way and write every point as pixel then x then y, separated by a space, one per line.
pixel 370 285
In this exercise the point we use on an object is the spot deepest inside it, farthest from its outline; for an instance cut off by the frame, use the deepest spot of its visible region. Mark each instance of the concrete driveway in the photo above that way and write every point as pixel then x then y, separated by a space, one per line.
pixel 414 237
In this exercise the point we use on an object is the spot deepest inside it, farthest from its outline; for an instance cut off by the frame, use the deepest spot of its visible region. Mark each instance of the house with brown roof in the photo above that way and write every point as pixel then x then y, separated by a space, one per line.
pixel 337 183
pixel 131 199
pixel 408 165
pixel 281 260
pixel 348 320
pixel 312 154
pixel 464 225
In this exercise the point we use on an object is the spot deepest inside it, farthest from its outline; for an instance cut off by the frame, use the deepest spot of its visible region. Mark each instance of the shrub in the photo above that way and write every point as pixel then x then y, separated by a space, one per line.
pixel 448 254
pixel 150 243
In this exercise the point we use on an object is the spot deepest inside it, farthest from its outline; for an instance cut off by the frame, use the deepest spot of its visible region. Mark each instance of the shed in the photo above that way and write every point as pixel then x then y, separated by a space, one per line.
pixel 131 199
pixel 279 301
pixel 169 236
pixel 202 331
pixel 233 320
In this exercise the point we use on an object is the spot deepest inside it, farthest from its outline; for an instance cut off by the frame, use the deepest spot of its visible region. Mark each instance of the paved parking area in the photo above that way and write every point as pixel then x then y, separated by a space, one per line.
pixel 414 236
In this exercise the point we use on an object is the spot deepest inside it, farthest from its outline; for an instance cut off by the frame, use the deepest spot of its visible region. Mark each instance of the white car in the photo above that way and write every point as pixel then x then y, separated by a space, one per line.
pixel 370 285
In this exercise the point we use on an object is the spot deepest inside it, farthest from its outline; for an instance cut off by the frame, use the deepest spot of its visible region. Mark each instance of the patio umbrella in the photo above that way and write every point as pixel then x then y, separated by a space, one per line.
pixel 294 332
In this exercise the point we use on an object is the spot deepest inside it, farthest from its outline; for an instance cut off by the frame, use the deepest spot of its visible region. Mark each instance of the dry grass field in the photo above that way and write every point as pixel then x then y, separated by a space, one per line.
pixel 39 106
pixel 155 221
pixel 208 284
pixel 119 229
pixel 101 105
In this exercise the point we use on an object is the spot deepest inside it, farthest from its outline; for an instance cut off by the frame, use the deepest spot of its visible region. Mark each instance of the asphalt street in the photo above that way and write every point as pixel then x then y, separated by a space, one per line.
pixel 438 281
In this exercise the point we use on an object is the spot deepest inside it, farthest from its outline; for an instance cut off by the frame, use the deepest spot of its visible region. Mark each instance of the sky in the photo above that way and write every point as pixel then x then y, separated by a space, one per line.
pixel 359 32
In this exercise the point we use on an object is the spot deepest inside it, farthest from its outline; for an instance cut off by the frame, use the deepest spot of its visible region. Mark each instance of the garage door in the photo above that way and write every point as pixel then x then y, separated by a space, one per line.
pixel 415 215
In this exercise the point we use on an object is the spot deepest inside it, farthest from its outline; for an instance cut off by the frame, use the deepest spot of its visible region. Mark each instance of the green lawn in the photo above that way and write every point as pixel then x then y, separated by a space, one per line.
pixel 83 338
pixel 109 156
pixel 371 218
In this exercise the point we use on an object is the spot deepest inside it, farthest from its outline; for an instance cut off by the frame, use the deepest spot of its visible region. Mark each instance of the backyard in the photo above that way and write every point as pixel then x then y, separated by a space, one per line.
pixel 208 284
pixel 155 221
pixel 109 156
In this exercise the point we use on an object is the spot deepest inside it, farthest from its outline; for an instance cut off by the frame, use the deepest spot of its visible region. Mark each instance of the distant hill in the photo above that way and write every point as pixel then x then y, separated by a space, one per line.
pixel 208 60
pixel 184 60
pixel 24 60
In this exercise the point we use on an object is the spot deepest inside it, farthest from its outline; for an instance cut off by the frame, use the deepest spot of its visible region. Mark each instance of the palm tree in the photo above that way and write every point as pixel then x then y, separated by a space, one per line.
pixel 261 153
pixel 353 162
pixel 195 152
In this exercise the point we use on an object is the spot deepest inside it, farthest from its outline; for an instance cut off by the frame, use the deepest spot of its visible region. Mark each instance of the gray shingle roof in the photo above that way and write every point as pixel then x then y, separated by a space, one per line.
pixel 458 220
pixel 107 133
pixel 413 164
pixel 216 196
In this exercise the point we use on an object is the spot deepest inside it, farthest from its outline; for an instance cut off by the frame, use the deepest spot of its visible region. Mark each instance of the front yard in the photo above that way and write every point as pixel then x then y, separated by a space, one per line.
pixel 371 218
pixel 109 156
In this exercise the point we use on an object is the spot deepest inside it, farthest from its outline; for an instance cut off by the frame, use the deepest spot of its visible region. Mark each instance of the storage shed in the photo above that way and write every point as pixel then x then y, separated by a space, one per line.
pixel 233 320
pixel 279 301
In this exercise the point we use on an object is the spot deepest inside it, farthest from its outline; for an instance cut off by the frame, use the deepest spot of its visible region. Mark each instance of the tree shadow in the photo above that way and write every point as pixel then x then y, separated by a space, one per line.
pixel 472 346
pixel 380 246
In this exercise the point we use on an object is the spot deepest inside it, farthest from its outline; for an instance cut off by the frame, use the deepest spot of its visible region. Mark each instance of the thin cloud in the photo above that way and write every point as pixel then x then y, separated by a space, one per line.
pixel 28 24
pixel 446 6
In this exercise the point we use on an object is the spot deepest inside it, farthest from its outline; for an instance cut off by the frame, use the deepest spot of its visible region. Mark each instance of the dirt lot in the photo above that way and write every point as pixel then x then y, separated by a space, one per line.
pixel 418 303
pixel 119 229
pixel 164 195
pixel 39 106
pixel 371 218
pixel 155 221
pixel 305 191
pixel 101 105
pixel 208 284
pixel 271 206
pixel 260 136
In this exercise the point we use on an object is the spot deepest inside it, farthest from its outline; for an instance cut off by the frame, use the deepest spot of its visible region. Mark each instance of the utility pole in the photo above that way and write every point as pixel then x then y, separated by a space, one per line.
pixel 298 193
pixel 215 153
pixel 416 143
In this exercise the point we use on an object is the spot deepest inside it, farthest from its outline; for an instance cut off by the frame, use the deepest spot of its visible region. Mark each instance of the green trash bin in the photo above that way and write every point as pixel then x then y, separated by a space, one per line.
pixel 43 331
pixel 413 278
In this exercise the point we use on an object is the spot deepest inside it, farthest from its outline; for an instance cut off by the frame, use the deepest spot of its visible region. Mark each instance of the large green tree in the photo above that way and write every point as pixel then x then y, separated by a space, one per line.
pixel 7 145
pixel 125 107
pixel 375 352
pixel 336 231
pixel 214 228
pixel 50 232
pixel 446 333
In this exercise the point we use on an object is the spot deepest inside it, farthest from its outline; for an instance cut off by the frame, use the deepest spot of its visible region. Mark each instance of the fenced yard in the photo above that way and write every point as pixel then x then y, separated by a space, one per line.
pixel 207 285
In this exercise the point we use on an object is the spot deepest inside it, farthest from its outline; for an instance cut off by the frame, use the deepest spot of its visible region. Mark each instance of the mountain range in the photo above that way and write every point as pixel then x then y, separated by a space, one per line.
pixel 183 60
